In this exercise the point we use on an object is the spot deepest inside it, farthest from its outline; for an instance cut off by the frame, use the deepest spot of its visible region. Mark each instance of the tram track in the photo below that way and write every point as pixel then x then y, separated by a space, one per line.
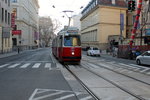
pixel 137 96
pixel 82 83
pixel 121 73
pixel 116 84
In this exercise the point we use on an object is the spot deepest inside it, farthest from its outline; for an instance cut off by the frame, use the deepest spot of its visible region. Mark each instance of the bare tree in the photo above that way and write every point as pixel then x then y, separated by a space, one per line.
pixel 47 28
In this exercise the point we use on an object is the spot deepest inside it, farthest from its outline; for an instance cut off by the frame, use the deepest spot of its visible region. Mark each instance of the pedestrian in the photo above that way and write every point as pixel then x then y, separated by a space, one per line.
pixel 130 54
pixel 18 50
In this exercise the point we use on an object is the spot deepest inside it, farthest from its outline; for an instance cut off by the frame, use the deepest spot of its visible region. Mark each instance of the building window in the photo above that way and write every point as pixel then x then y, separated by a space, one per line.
pixel 5 16
pixel 8 18
pixel 8 2
pixel 2 14
pixel 5 1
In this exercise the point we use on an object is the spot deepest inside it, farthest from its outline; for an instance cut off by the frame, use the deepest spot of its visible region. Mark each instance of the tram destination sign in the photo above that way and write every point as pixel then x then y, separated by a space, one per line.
pixel 72 31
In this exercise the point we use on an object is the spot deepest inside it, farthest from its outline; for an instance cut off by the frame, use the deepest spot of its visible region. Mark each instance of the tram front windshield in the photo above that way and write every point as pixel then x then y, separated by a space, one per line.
pixel 72 41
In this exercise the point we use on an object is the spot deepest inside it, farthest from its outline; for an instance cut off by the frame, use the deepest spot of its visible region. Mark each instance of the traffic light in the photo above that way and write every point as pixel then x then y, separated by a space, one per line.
pixel 133 6
pixel 129 5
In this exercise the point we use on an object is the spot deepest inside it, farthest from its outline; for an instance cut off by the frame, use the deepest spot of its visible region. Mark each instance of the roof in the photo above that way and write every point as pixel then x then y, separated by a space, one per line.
pixel 94 3
pixel 118 3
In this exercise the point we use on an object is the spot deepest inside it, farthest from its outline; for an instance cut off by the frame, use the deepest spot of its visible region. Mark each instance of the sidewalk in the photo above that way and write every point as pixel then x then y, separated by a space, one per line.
pixel 15 53
pixel 8 54
pixel 108 55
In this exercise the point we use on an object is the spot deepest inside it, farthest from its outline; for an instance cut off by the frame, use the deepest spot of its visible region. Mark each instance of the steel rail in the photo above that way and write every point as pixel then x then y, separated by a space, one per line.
pixel 115 84
pixel 84 86
pixel 123 74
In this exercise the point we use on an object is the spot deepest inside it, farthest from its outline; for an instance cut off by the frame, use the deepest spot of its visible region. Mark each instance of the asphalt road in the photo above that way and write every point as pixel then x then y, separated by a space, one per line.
pixel 32 75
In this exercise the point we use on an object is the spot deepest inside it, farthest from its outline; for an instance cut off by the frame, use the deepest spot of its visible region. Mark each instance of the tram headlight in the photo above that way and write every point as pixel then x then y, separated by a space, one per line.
pixel 72 53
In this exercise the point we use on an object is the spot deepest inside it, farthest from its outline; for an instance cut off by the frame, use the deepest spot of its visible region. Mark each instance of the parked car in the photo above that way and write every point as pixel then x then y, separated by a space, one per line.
pixel 93 51
pixel 144 58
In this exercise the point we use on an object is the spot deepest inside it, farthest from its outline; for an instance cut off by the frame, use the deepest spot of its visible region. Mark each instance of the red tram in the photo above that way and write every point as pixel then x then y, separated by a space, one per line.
pixel 66 47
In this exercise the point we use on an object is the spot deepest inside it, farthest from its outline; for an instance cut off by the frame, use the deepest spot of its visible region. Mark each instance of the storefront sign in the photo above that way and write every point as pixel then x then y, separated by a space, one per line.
pixel 13 20
pixel 16 32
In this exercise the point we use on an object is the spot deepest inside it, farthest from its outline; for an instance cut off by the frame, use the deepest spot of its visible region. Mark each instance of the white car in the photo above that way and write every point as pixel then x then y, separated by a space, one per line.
pixel 93 51
pixel 143 58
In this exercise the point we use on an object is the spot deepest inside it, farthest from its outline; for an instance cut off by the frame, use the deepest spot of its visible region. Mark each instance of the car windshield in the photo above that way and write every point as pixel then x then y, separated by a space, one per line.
pixel 95 48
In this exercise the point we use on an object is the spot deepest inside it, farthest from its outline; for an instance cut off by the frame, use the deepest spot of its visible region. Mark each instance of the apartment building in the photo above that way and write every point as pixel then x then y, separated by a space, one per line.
pixel 26 34
pixel 5 26
pixel 103 21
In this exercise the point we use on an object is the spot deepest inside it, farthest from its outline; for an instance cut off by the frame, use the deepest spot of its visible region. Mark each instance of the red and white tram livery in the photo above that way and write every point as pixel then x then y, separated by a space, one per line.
pixel 66 47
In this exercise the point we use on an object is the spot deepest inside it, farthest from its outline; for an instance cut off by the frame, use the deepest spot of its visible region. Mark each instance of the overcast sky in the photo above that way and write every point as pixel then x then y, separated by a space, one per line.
pixel 47 9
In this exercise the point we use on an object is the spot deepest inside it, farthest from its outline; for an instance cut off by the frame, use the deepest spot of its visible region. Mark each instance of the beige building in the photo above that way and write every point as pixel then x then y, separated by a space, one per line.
pixel 26 20
pixel 5 26
pixel 103 21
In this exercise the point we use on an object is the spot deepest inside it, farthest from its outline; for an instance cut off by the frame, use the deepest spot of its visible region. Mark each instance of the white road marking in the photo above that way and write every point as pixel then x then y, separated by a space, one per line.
pixel 145 70
pixel 93 66
pixel 25 65
pixel 112 62
pixel 86 98
pixel 13 66
pixel 133 67
pixel 33 94
pixel 124 70
pixel 136 65
pixel 4 65
pixel 37 65
pixel 148 73
pixel 65 97
pixel 49 95
pixel 48 65
pixel 118 69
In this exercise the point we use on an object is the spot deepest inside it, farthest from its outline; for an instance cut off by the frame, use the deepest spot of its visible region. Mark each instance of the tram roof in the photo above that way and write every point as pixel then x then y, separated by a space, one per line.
pixel 69 30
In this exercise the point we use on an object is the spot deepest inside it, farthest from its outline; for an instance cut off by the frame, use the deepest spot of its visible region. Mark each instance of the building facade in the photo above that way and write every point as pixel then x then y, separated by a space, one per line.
pixel 76 21
pixel 5 26
pixel 26 20
pixel 103 21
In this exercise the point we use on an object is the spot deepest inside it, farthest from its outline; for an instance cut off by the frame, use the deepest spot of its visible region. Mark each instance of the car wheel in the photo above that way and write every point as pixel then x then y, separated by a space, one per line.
pixel 138 62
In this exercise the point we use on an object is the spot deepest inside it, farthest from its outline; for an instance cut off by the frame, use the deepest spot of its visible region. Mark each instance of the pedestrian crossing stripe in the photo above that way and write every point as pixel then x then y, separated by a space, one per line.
pixel 26 65
pixel 47 65
pixel 13 66
pixel 37 65
pixel 4 65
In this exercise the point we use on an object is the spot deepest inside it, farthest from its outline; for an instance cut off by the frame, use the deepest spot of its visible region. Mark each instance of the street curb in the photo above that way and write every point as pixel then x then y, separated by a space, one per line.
pixel 8 54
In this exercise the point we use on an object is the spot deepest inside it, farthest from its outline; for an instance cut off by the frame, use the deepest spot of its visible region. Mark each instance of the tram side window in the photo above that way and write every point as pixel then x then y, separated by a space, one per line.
pixel 60 41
